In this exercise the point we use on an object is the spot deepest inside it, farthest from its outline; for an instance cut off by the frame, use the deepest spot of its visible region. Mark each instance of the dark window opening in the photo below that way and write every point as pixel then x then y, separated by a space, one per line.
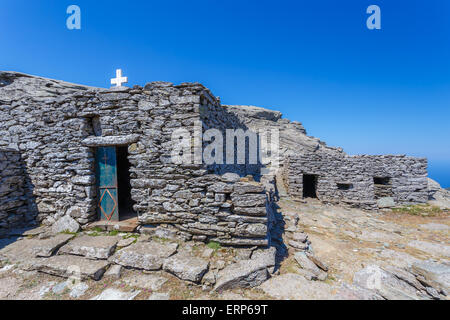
pixel 385 181
pixel 123 184
pixel 344 186
pixel 309 186
pixel 382 187
pixel 95 126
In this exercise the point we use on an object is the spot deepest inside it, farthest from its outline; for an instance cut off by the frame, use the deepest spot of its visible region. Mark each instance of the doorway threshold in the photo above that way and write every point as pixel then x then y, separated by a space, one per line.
pixel 128 225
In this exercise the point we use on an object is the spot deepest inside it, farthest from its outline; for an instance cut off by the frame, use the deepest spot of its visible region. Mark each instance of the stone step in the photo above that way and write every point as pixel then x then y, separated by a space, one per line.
pixel 129 225
pixel 98 247
pixel 70 266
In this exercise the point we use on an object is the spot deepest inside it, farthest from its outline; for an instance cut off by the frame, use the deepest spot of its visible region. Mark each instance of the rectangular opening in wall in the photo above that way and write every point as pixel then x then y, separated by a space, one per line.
pixel 124 185
pixel 344 186
pixel 309 186
pixel 382 187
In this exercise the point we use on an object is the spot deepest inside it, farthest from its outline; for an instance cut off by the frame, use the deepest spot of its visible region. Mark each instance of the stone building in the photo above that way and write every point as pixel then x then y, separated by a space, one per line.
pixel 367 182
pixel 106 154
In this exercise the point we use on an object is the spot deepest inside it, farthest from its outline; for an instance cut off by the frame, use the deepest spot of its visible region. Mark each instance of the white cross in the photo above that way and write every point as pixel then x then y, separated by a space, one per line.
pixel 119 79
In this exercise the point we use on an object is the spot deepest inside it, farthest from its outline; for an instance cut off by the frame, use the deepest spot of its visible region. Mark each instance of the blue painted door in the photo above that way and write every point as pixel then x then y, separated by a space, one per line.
pixel 108 208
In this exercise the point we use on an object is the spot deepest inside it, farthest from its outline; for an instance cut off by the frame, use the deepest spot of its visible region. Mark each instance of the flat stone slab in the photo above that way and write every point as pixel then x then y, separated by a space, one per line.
pixel 28 231
pixel 246 273
pixel 389 284
pixel 435 249
pixel 354 292
pixel 114 294
pixel 186 266
pixel 101 247
pixel 46 247
pixel 435 274
pixel 25 249
pixel 435 227
pixel 159 296
pixel 292 286
pixel 145 255
pixel 145 281
pixel 67 266
pixel 129 225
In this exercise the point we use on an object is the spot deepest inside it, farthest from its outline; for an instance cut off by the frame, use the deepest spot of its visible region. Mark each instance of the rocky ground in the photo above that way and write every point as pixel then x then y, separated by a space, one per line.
pixel 326 252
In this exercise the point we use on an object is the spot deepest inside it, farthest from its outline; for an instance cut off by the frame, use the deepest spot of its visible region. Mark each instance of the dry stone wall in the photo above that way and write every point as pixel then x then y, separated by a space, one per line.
pixel 352 180
pixel 56 127
pixel 13 192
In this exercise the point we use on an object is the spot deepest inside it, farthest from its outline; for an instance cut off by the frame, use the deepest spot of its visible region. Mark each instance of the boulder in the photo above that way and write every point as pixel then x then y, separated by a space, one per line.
pixel 65 224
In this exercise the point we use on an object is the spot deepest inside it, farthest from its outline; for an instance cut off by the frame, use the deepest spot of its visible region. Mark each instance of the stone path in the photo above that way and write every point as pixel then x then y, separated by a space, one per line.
pixel 326 253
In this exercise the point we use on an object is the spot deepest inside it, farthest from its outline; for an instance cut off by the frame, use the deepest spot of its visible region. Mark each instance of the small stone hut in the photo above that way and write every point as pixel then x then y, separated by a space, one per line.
pixel 91 153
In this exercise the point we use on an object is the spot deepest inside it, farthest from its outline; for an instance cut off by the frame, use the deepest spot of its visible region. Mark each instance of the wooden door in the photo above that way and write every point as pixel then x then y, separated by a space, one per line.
pixel 108 205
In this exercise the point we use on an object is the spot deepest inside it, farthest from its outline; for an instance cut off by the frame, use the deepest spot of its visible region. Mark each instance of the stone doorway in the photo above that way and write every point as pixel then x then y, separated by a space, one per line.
pixel 382 187
pixel 124 186
pixel 310 186
pixel 114 188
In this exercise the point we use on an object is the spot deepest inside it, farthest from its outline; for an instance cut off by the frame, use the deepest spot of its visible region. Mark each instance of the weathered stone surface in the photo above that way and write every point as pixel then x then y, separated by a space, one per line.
pixel 67 266
pixel 115 271
pixel 298 245
pixel 114 294
pixel 159 296
pixel 125 242
pixel 386 284
pixel 431 248
pixel 305 263
pixel 386 202
pixel 186 266
pixel 99 247
pixel 47 247
pixel 145 255
pixel 248 200
pixel 246 273
pixel 110 140
pixel 65 223
pixel 78 290
pixel 300 237
pixel 354 292
pixel 434 274
pixel 292 286
pixel 145 281
pixel 435 227
pixel 243 188
pixel 322 265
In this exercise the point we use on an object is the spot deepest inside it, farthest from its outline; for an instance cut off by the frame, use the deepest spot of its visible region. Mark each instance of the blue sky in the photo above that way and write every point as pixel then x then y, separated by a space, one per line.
pixel 368 91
